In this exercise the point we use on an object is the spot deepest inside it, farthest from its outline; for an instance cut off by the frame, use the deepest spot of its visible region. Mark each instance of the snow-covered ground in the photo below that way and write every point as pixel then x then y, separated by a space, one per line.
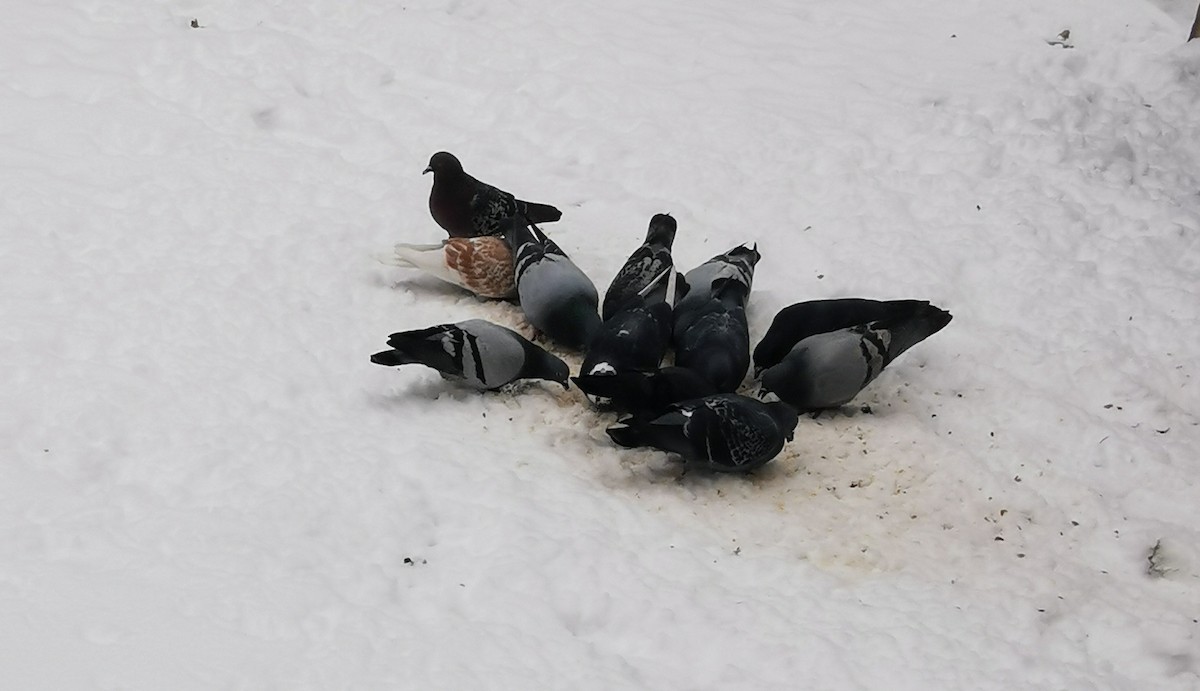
pixel 207 485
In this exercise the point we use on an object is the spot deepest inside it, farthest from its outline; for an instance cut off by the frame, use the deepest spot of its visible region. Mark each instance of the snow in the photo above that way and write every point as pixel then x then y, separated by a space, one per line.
pixel 208 485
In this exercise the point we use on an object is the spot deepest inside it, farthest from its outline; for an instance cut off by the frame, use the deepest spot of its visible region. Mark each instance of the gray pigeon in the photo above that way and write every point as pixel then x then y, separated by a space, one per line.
pixel 737 265
pixel 466 207
pixel 481 354
pixel 726 432
pixel 797 322
pixel 558 299
pixel 827 370
pixel 644 266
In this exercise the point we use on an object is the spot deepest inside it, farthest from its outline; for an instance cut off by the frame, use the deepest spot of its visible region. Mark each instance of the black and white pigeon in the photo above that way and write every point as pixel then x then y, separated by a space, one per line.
pixel 727 432
pixel 637 336
pixel 737 265
pixel 644 266
pixel 477 352
pixel 558 299
pixel 826 370
pixel 794 323
pixel 645 394
pixel 716 340
pixel 466 207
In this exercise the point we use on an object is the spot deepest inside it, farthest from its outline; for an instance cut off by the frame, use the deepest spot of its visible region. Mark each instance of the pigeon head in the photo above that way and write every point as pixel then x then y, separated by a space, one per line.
pixel 557 371
pixel 772 348
pixel 775 378
pixel 746 255
pixel 542 364
pixel 661 231
pixel 785 416
pixel 443 162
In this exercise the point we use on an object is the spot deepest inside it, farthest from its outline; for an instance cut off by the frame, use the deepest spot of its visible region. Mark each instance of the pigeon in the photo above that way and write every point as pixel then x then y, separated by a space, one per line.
pixel 799 321
pixel 558 299
pixel 482 265
pixel 481 354
pixel 636 337
pixel 736 264
pixel 643 266
pixel 726 432
pixel 466 207
pixel 716 342
pixel 645 394
pixel 826 370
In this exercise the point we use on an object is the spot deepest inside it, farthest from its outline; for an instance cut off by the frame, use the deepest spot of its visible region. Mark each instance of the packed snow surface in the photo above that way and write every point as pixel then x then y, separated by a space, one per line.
pixel 208 485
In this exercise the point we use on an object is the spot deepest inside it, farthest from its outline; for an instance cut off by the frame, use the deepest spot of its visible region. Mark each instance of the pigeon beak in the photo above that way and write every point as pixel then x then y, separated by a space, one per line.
pixel 428 169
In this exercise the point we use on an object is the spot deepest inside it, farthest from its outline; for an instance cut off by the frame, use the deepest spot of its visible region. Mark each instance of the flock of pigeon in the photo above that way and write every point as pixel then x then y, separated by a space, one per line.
pixel 816 355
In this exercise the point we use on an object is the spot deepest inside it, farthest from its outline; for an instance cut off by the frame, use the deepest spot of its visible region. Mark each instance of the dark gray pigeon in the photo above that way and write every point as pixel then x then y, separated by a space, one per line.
pixel 826 370
pixel 481 354
pixel 645 394
pixel 726 432
pixel 558 299
pixel 637 336
pixel 645 265
pixel 716 341
pixel 799 321
pixel 466 207
pixel 737 265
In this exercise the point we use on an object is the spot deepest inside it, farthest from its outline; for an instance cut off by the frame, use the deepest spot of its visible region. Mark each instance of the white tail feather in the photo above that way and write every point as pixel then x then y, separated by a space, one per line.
pixel 428 258
pixel 407 255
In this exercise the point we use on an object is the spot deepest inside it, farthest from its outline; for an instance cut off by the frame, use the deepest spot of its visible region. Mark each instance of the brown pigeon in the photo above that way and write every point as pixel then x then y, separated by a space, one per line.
pixel 466 207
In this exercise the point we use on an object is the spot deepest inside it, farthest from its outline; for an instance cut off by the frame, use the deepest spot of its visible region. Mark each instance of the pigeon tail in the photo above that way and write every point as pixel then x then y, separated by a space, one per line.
pixel 405 254
pixel 628 436
pixel 664 432
pixel 910 329
pixel 661 231
pixel 541 213
pixel 420 346
pixel 392 358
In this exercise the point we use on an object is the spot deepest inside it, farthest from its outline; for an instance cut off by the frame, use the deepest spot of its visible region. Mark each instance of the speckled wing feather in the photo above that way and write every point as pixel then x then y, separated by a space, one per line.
pixel 732 436
pixel 645 265
pixel 489 208
pixel 727 432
